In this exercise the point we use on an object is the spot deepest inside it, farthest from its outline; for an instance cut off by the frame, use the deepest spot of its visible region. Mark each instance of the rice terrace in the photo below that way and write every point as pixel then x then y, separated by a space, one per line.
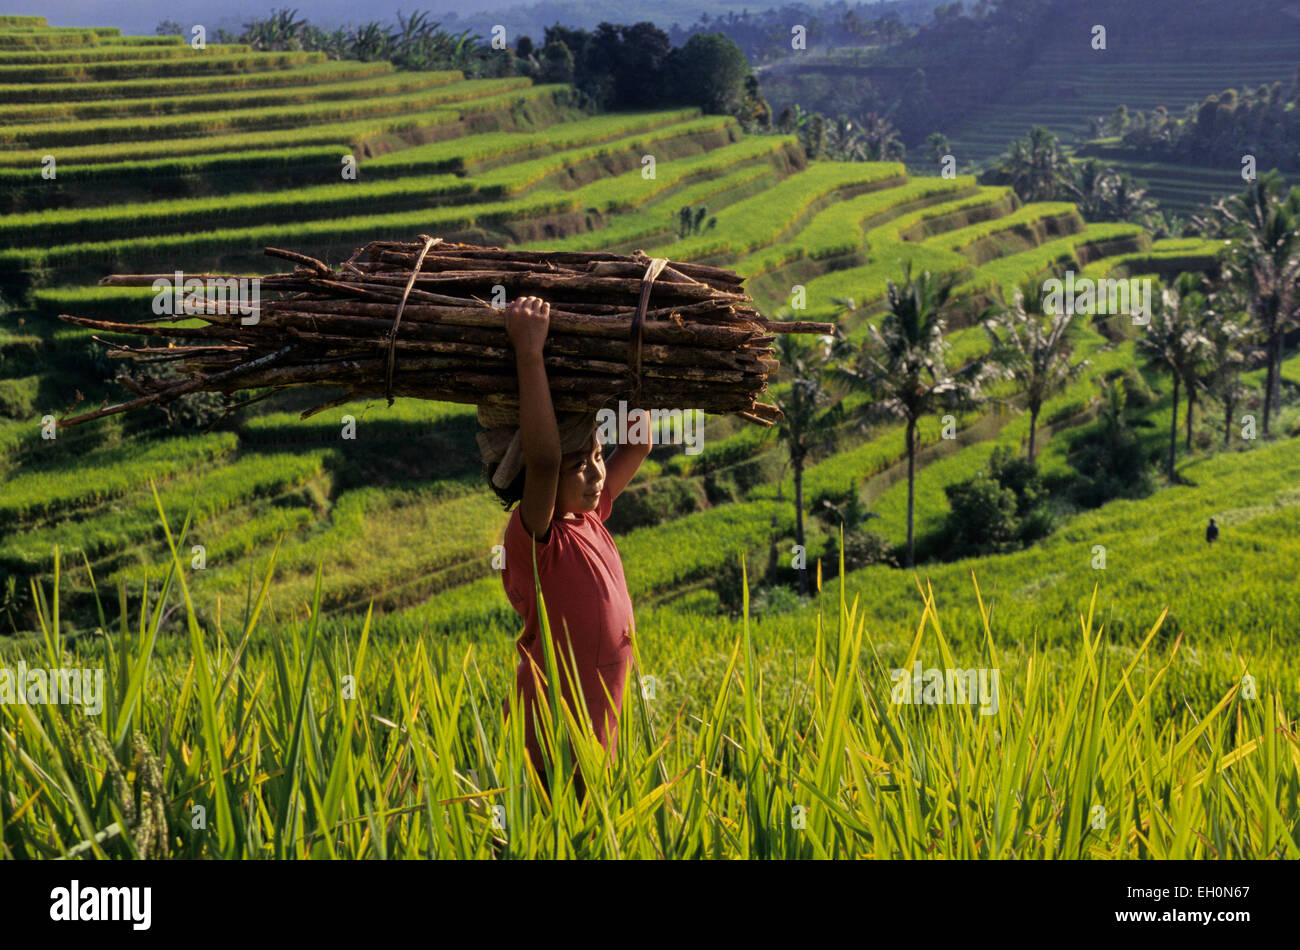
pixel 962 522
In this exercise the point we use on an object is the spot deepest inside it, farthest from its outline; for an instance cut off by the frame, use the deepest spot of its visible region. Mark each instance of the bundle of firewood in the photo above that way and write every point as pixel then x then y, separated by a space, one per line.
pixel 427 320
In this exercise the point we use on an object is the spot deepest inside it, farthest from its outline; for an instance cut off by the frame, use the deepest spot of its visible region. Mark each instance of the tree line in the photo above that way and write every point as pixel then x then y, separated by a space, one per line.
pixel 1264 122
pixel 614 67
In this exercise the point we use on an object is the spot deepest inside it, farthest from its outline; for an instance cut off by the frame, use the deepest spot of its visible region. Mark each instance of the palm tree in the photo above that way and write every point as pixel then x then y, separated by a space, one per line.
pixel 904 365
pixel 280 31
pixel 936 147
pixel 413 29
pixel 1200 365
pixel 1264 259
pixel 881 141
pixel 1090 185
pixel 1228 336
pixel 372 41
pixel 851 516
pixel 844 141
pixel 1174 344
pixel 1035 351
pixel 811 415
pixel 1035 167
pixel 792 119
pixel 1128 201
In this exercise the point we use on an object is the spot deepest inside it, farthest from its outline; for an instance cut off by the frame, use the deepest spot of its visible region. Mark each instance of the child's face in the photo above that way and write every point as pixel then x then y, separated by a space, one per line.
pixel 582 477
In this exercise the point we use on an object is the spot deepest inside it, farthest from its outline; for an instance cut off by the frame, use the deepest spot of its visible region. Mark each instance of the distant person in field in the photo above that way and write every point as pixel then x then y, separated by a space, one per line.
pixel 1212 532
pixel 556 474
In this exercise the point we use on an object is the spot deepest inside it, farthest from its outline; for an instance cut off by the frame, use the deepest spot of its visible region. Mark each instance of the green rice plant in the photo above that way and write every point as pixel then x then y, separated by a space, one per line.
pixel 517 177
pixel 847 469
pixel 1290 370
pixel 867 283
pixel 765 218
pixel 346 136
pixel 55 92
pixel 476 153
pixel 630 190
pixel 237 171
pixel 1028 225
pixel 92 33
pixel 606 196
pixel 211 123
pixel 132 518
pixel 63 484
pixel 890 246
pixel 406 418
pixel 46 39
pixel 17 395
pixel 658 215
pixel 1235 596
pixel 1004 274
pixel 353 230
pixel 294 744
pixel 64 225
pixel 140 68
pixel 98 54
pixel 841 229
pixel 988 203
pixel 348 87
pixel 147 40
pixel 1171 255
pixel 376 541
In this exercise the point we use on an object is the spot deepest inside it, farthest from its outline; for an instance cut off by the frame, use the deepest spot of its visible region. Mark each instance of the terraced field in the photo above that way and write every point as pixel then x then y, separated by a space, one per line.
pixel 1069 84
pixel 399 515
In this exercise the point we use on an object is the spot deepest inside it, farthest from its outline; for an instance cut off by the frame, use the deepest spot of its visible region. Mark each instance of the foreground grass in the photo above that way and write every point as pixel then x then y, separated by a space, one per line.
pixel 262 745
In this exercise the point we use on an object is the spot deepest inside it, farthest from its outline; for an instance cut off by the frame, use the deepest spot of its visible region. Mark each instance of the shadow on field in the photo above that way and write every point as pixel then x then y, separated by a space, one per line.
pixel 385 451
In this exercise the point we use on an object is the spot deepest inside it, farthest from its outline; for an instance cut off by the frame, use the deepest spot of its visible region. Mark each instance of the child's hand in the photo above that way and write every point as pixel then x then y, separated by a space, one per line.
pixel 527 321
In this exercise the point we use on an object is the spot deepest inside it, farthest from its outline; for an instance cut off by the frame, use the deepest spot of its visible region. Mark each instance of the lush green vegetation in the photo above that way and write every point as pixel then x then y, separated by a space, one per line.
pixel 321 768
pixel 368 546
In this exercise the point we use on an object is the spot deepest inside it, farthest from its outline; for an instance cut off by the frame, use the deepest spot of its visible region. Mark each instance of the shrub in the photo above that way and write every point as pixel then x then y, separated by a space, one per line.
pixel 774 599
pixel 658 500
pixel 1109 456
pixel 557 63
pixel 863 548
pixel 1138 394
pixel 1000 509
pixel 17 397
pixel 720 487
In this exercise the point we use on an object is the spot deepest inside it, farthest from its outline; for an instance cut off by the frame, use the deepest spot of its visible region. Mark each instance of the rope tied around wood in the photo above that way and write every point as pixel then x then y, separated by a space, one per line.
pixel 397 320
pixel 653 270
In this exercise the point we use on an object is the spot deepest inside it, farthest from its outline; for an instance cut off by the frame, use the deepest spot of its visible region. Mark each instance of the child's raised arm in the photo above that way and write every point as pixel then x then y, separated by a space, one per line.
pixel 527 322
pixel 627 458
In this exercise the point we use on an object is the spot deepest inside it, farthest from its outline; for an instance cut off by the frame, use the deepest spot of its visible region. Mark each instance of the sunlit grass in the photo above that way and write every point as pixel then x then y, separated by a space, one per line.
pixel 296 745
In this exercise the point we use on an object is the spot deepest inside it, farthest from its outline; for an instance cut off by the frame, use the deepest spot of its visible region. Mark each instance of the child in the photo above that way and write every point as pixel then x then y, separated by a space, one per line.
pixel 564 490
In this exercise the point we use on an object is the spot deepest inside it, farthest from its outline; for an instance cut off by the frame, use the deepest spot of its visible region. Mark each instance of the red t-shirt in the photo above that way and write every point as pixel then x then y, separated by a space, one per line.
pixel 582 581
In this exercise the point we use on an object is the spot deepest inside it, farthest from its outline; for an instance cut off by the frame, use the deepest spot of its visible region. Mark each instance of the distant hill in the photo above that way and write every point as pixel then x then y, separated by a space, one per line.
pixel 1033 63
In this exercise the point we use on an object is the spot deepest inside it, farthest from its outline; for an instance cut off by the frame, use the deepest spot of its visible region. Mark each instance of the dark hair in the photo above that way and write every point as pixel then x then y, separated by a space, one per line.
pixel 513 493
